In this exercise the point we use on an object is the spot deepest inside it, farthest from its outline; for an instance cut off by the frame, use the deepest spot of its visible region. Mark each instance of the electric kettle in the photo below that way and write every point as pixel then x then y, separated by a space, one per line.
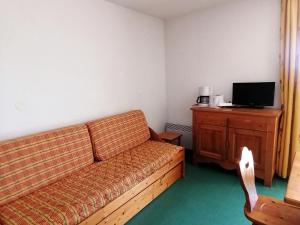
pixel 216 100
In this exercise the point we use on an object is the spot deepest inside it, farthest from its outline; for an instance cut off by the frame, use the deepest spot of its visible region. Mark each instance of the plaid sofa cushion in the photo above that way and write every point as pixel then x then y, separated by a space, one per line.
pixel 118 133
pixel 72 199
pixel 29 163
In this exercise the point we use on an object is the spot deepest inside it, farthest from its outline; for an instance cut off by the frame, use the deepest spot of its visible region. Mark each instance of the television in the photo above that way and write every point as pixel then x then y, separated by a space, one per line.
pixel 258 94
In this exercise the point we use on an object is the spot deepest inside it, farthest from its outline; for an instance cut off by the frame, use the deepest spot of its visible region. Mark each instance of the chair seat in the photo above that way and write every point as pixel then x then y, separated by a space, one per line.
pixel 73 198
pixel 273 212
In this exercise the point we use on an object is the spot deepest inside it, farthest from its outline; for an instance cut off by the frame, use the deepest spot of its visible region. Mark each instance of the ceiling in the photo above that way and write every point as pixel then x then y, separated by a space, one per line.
pixel 166 9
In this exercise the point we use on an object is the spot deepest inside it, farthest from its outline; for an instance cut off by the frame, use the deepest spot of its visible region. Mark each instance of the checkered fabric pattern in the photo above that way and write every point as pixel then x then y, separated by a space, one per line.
pixel 32 162
pixel 118 133
pixel 72 199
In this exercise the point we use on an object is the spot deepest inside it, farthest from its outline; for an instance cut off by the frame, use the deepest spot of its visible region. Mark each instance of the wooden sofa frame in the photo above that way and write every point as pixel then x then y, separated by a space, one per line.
pixel 123 208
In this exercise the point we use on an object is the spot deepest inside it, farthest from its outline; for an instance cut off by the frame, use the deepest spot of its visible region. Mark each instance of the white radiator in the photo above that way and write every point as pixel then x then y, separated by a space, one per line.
pixel 186 131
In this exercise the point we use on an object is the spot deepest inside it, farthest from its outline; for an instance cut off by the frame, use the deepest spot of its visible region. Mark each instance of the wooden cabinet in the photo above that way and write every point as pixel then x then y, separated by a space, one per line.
pixel 212 140
pixel 219 135
pixel 254 140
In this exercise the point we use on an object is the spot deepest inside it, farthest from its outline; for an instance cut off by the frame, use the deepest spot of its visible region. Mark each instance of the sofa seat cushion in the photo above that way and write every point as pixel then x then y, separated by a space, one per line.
pixel 74 198
pixel 114 134
pixel 32 162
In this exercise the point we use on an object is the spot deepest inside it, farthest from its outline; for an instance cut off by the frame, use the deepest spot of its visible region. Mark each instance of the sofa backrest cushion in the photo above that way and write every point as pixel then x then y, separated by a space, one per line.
pixel 32 162
pixel 115 134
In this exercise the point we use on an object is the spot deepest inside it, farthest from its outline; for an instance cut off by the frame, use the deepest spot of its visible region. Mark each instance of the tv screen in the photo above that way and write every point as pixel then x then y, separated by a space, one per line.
pixel 253 94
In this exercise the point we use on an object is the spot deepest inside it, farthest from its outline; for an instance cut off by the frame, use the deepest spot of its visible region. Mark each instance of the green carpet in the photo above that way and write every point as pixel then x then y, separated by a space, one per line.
pixel 207 195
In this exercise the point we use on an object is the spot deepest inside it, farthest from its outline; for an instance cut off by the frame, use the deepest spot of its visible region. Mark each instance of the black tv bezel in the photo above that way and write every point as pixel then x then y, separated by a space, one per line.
pixel 254 105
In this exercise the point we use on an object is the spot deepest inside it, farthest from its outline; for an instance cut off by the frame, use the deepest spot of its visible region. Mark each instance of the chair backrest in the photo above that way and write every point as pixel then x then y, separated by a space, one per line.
pixel 246 171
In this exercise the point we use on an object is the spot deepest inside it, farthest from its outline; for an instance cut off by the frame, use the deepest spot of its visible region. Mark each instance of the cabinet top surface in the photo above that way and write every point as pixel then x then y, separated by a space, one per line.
pixel 261 112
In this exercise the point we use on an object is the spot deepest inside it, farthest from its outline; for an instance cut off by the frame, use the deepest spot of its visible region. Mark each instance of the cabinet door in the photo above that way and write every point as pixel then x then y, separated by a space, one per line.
pixel 254 140
pixel 211 141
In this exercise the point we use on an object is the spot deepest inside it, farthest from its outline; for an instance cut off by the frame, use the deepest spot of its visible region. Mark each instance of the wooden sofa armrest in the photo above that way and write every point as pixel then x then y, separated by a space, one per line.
pixel 154 136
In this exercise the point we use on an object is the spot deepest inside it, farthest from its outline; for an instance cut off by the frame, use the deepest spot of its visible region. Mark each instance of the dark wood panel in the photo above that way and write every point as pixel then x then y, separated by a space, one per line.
pixel 211 119
pixel 250 123
pixel 211 141
pixel 254 140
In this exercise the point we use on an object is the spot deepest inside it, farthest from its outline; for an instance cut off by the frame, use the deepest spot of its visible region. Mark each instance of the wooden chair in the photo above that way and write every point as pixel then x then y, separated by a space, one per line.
pixel 261 210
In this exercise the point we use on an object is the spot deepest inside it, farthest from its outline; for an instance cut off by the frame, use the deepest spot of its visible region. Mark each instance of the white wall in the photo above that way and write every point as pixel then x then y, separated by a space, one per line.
pixel 69 61
pixel 236 41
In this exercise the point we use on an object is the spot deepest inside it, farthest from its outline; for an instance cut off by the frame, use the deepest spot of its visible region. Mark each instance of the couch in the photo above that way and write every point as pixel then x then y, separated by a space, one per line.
pixel 101 172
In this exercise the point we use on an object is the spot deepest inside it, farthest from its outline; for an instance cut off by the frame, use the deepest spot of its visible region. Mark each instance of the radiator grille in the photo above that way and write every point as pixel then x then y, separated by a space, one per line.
pixel 186 131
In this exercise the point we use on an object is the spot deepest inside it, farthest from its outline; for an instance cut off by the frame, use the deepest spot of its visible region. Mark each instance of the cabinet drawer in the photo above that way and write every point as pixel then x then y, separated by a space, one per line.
pixel 248 123
pixel 210 119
